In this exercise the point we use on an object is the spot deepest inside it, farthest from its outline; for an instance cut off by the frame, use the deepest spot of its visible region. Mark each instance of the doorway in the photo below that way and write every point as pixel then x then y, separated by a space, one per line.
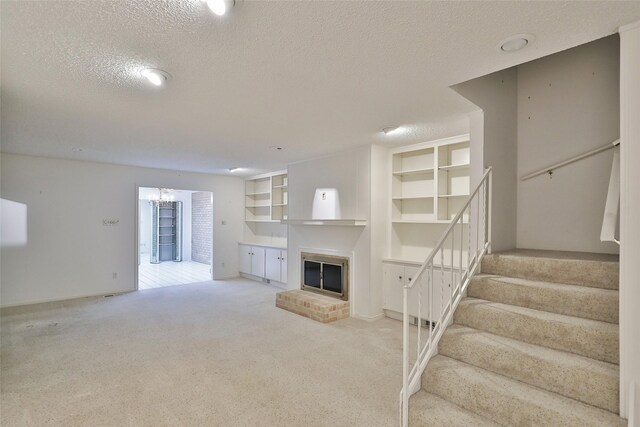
pixel 175 237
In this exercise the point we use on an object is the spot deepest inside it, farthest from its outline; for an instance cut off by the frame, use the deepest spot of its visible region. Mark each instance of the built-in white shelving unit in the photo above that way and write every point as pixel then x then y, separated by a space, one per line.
pixel 266 198
pixel 429 185
pixel 263 250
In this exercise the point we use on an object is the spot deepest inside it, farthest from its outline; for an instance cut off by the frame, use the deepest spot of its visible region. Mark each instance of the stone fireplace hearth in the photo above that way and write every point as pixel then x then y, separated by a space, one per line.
pixel 318 307
pixel 324 288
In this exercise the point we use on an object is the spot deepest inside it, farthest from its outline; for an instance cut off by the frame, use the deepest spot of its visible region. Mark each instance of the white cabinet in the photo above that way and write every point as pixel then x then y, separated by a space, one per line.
pixel 263 261
pixel 276 264
pixel 252 260
pixel 396 275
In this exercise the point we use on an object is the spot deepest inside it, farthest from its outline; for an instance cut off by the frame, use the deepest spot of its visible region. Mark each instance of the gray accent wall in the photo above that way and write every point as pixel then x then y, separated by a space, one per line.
pixel 537 114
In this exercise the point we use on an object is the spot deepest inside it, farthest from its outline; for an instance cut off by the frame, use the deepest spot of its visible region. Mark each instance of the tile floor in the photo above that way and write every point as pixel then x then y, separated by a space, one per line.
pixel 171 273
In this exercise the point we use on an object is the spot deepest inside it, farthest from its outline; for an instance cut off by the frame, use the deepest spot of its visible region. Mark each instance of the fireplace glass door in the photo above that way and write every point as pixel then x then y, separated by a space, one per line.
pixel 325 274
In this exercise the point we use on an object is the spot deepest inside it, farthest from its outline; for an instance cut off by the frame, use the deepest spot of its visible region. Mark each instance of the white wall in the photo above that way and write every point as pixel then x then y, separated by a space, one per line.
pixel 629 223
pixel 496 95
pixel 350 173
pixel 568 103
pixel 344 171
pixel 69 252
pixel 144 213
pixel 379 217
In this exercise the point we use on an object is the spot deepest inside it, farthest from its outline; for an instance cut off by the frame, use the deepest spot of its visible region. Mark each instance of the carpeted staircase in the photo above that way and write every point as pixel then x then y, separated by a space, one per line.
pixel 535 343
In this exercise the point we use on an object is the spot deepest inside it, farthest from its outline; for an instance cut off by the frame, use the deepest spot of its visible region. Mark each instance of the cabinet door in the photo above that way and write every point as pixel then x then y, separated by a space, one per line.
pixel 283 267
pixel 441 291
pixel 257 261
pixel 272 264
pixel 393 281
pixel 245 258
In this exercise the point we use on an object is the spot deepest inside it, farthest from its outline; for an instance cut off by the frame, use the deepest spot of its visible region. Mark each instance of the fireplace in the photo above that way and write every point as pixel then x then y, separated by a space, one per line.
pixel 325 274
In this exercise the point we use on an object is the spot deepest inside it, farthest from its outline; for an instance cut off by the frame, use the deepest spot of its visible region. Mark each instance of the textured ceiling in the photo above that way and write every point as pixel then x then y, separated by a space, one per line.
pixel 313 77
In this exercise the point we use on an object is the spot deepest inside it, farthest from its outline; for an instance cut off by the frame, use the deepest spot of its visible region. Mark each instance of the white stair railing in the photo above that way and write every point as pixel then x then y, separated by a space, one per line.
pixel 469 232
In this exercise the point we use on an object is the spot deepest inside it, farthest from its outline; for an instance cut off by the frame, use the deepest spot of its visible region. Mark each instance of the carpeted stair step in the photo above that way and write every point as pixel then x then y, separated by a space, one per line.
pixel 593 270
pixel 589 338
pixel 571 300
pixel 429 410
pixel 580 378
pixel 507 401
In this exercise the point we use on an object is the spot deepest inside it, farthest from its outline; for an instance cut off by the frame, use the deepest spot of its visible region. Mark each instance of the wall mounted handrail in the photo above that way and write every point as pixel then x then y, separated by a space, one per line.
pixel 610 219
pixel 574 159
pixel 459 276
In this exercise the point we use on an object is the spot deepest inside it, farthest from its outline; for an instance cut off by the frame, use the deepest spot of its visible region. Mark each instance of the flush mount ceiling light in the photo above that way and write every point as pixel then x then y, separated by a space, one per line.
pixel 515 43
pixel 392 130
pixel 219 7
pixel 155 76
pixel 234 169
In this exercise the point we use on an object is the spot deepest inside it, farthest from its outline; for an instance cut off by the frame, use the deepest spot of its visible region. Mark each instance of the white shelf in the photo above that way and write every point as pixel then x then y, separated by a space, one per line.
pixel 263 192
pixel 451 196
pixel 412 197
pixel 333 222
pixel 420 221
pixel 461 166
pixel 414 171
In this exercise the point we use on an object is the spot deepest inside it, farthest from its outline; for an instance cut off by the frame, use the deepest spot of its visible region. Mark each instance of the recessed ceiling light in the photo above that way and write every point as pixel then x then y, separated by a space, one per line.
pixel 220 7
pixel 155 76
pixel 515 43
pixel 77 149
pixel 277 148
pixel 392 130
pixel 234 169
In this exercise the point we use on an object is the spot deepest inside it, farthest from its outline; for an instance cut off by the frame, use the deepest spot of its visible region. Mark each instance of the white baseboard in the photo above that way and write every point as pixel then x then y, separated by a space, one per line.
pixel 369 318
pixel 71 298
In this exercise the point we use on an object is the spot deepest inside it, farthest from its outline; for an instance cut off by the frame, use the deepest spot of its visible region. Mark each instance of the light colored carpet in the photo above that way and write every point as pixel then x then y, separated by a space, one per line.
pixel 207 355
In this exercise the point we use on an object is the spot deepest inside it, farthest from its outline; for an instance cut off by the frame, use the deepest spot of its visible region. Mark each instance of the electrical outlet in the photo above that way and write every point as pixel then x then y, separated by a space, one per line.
pixel 110 222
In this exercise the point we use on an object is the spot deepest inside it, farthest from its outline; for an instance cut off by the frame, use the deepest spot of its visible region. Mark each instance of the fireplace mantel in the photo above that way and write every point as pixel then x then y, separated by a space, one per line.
pixel 333 222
